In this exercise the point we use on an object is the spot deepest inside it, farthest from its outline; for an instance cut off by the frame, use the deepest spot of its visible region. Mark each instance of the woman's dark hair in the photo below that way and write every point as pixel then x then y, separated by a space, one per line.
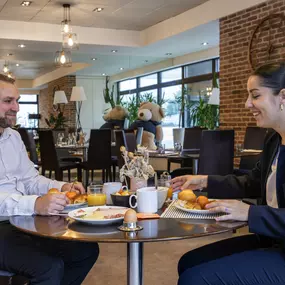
pixel 272 76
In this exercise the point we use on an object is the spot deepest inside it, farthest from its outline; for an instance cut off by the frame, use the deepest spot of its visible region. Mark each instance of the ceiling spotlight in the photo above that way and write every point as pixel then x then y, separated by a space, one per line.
pixel 121 68
pixel 103 74
pixel 9 54
pixel 204 44
pixel 99 9
pixel 26 3
pixel 114 50
pixel 168 53
pixel 146 61
pixel 17 64
pixel 21 46
pixel 93 58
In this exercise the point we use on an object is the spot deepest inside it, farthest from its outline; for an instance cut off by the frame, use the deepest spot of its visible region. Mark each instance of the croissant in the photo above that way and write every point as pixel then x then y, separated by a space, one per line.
pixel 187 195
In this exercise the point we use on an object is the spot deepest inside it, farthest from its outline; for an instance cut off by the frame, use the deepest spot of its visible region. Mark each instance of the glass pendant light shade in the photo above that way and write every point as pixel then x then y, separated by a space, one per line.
pixel 5 68
pixel 63 58
pixel 65 24
pixel 70 41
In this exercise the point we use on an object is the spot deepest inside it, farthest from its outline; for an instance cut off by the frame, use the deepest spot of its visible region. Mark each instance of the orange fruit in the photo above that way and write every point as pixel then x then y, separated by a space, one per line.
pixel 71 195
pixel 169 192
pixel 202 201
pixel 53 191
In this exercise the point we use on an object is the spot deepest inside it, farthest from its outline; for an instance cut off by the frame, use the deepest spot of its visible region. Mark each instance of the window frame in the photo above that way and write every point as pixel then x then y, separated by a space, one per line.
pixel 31 103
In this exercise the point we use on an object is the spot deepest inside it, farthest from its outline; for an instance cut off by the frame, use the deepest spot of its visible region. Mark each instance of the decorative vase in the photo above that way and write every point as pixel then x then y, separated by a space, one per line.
pixel 137 183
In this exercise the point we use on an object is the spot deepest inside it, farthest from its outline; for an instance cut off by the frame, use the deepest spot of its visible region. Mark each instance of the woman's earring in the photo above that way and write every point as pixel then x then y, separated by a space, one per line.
pixel 281 107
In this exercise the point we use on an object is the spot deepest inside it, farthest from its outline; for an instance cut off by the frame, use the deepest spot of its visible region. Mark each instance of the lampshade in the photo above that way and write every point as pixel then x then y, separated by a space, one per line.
pixel 78 94
pixel 63 58
pixel 215 97
pixel 59 98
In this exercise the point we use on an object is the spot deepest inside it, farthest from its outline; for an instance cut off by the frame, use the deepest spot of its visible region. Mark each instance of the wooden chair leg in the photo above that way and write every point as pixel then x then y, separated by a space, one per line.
pixel 43 172
pixel 68 173
pixel 50 173
pixel 110 174
pixel 103 175
pixel 168 165
pixel 59 175
pixel 79 174
pixel 92 175
pixel 86 177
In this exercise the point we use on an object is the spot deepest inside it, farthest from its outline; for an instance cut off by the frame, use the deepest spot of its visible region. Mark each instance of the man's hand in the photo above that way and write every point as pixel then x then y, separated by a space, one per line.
pixel 76 186
pixel 193 182
pixel 50 203
pixel 235 209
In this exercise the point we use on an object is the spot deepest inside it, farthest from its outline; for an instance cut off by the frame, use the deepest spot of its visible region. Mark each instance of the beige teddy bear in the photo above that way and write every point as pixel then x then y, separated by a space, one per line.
pixel 150 116
pixel 115 118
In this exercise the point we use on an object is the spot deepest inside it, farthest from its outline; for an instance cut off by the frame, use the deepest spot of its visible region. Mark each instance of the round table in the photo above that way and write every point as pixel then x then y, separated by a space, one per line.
pixel 156 230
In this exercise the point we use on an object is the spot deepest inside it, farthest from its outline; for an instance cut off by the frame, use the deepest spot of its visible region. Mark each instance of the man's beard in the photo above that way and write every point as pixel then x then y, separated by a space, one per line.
pixel 6 122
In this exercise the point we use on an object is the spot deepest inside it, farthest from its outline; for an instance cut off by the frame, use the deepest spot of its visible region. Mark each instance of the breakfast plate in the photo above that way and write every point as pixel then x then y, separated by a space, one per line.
pixel 75 206
pixel 101 215
pixel 180 205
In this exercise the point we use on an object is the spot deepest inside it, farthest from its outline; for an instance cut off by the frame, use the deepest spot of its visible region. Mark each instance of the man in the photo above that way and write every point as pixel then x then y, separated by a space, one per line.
pixel 24 192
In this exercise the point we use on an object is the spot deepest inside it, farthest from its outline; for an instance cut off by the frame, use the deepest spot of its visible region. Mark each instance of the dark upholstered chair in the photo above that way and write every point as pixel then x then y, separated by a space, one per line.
pixel 253 139
pixel 29 142
pixel 131 141
pixel 8 278
pixel 216 152
pixel 120 141
pixel 191 143
pixel 50 160
pixel 99 154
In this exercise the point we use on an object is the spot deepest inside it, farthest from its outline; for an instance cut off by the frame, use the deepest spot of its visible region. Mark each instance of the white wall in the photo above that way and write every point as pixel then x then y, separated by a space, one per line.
pixel 93 108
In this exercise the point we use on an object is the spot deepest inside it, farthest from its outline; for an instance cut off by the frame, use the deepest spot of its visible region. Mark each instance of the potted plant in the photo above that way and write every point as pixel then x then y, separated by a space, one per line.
pixel 56 121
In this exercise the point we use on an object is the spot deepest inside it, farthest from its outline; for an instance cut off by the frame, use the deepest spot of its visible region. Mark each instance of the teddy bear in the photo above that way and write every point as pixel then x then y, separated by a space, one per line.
pixel 150 116
pixel 115 118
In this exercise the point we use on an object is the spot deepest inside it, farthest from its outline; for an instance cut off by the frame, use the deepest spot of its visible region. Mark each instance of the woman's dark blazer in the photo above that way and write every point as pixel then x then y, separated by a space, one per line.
pixel 263 220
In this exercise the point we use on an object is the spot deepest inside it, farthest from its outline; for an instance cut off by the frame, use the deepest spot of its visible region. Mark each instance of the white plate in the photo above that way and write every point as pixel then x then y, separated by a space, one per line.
pixel 73 206
pixel 193 211
pixel 89 210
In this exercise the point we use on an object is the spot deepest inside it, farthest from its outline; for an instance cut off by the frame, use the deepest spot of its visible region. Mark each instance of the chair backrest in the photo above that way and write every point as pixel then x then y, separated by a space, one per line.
pixel 29 142
pixel 99 151
pixel 120 141
pixel 131 141
pixel 49 159
pixel 192 138
pixel 216 152
pixel 253 139
pixel 139 135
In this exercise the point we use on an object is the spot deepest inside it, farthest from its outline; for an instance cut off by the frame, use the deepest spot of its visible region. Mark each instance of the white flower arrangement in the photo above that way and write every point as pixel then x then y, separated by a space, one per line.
pixel 135 166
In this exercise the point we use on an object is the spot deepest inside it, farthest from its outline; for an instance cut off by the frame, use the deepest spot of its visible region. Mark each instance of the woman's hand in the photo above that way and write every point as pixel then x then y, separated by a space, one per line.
pixel 193 182
pixel 236 210
pixel 76 186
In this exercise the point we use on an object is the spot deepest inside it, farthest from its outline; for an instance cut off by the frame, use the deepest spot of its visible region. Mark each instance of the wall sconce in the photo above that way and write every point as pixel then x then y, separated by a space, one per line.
pixel 59 98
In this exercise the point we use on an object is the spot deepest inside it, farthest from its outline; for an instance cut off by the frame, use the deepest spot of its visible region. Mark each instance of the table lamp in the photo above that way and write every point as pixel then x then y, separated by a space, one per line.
pixel 78 95
pixel 59 98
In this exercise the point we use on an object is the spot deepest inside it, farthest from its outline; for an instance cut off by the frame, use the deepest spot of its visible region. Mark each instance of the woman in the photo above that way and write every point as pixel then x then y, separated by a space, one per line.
pixel 258 258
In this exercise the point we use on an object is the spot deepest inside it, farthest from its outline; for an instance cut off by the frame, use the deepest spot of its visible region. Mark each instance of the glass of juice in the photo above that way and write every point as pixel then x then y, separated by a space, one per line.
pixel 95 195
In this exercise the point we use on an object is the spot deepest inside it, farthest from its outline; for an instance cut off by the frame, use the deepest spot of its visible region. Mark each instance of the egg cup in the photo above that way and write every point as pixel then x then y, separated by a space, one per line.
pixel 130 227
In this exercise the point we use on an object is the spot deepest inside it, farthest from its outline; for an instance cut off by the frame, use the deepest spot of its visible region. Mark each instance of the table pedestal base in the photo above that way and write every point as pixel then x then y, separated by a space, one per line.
pixel 135 263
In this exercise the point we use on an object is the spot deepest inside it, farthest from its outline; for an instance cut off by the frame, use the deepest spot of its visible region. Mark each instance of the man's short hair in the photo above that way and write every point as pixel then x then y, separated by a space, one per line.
pixel 5 78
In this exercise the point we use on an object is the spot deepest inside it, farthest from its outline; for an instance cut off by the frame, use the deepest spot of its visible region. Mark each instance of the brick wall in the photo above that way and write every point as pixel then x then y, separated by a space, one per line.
pixel 235 34
pixel 46 100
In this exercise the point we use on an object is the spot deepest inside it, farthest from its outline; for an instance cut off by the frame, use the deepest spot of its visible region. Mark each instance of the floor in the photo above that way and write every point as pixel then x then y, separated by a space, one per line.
pixel 160 261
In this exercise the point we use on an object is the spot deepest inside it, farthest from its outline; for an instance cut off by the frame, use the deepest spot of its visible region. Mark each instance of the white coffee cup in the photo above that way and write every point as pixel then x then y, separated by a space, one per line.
pixel 146 200
pixel 110 188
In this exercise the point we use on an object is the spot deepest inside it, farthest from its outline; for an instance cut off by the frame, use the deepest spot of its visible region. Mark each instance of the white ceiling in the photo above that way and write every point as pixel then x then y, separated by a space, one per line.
pixel 117 14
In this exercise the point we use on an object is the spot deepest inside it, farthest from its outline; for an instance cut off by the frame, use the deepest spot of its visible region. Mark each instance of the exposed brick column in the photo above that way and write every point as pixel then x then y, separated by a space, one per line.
pixel 46 100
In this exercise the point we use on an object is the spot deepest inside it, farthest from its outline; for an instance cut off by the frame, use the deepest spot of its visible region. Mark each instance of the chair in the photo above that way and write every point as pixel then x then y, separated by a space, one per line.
pixel 29 142
pixel 216 152
pixel 50 160
pixel 131 141
pixel 139 135
pixel 191 143
pixel 99 154
pixel 253 139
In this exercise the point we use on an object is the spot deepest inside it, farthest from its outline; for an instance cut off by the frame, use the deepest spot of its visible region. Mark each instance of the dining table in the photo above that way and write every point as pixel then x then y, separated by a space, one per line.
pixel 153 230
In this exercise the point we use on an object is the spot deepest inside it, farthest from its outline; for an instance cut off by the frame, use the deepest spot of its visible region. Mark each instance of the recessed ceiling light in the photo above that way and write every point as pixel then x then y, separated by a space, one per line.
pixel 204 44
pixel 103 74
pixel 9 54
pixel 98 9
pixel 168 53
pixel 17 64
pixel 114 50
pixel 121 68
pixel 93 58
pixel 21 46
pixel 26 3
pixel 146 61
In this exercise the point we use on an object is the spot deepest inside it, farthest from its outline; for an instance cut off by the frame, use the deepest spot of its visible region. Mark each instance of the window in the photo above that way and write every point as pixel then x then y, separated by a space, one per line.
pixel 171 109
pixel 147 95
pixel 148 80
pixel 28 106
pixel 171 75
pixel 128 85
pixel 200 68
